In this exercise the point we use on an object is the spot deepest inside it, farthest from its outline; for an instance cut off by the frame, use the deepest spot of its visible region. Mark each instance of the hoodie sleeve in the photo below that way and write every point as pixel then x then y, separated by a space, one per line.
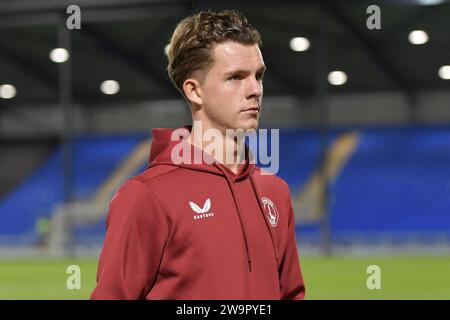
pixel 291 279
pixel 136 233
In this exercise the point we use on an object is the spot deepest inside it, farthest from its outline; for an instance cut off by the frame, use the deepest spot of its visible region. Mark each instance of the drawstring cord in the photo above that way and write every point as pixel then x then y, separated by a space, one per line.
pixel 247 248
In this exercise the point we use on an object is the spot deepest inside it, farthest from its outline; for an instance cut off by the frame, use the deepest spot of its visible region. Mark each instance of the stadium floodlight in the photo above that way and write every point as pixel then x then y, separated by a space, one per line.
pixel 59 55
pixel 299 44
pixel 429 2
pixel 418 37
pixel 110 87
pixel 7 91
pixel 166 49
pixel 337 78
pixel 444 72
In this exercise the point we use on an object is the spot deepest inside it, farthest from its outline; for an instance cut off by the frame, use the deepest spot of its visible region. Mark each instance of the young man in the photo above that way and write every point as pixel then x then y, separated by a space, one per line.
pixel 210 229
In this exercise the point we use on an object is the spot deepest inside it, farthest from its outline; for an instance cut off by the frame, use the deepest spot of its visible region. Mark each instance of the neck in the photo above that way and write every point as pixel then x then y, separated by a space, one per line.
pixel 226 151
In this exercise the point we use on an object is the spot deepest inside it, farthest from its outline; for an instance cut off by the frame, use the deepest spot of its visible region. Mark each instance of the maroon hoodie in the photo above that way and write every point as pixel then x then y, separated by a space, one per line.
pixel 199 231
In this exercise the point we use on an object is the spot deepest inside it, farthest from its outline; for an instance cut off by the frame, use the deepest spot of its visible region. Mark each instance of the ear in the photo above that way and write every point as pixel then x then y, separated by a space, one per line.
pixel 193 91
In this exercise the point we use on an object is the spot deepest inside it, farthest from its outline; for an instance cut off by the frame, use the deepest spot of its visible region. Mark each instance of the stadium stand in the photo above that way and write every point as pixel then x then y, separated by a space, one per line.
pixel 389 185
pixel 96 157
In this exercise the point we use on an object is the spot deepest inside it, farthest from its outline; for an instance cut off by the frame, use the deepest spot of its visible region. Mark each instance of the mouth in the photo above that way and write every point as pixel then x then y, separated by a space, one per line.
pixel 252 110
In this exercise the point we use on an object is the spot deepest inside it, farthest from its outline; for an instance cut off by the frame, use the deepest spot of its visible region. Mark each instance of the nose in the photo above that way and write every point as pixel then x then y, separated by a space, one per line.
pixel 255 89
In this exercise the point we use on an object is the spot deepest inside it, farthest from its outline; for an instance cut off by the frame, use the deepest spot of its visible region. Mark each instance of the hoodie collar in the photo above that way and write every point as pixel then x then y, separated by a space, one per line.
pixel 163 145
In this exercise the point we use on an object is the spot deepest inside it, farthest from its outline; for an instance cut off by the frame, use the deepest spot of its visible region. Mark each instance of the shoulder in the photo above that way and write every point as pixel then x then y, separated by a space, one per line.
pixel 137 198
pixel 155 173
pixel 265 177
pixel 142 181
pixel 149 185
pixel 140 187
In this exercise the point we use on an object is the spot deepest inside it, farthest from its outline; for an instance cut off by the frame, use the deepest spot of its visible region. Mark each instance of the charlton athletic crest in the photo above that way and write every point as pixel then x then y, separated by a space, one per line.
pixel 271 211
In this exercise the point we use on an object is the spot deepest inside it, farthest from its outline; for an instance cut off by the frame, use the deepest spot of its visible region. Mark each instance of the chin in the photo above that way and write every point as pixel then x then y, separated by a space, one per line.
pixel 253 124
pixel 250 125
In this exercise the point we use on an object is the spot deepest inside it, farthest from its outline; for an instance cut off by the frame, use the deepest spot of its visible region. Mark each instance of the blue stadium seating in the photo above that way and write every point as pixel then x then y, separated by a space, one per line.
pixel 395 188
pixel 396 185
pixel 95 158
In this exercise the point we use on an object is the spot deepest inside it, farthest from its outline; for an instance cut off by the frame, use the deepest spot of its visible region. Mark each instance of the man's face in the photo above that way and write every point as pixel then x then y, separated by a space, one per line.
pixel 232 89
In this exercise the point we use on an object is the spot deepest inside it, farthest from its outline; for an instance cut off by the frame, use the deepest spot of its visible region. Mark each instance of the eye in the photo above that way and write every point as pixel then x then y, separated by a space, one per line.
pixel 236 77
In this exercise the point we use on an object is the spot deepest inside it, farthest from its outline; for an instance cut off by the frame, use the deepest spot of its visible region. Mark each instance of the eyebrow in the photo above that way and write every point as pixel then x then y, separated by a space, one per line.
pixel 261 71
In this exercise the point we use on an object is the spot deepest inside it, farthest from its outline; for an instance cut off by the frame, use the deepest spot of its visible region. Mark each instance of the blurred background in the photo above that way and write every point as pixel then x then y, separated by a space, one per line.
pixel 363 113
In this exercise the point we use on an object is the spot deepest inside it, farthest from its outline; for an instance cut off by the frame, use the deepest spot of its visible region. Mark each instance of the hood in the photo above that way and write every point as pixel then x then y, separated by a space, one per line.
pixel 162 147
pixel 160 154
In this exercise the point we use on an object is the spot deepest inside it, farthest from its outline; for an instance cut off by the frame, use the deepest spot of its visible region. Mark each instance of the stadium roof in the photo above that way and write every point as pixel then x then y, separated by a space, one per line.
pixel 124 40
